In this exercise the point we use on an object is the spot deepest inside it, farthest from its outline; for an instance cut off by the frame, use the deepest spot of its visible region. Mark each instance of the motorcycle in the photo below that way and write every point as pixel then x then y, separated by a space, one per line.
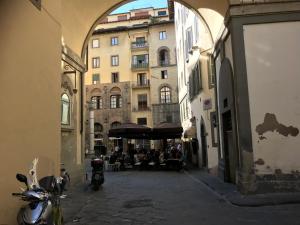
pixel 97 173
pixel 43 199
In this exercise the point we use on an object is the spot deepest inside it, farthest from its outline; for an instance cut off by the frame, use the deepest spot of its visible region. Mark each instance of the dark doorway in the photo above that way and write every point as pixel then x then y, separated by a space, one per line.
pixel 230 156
pixel 195 149
pixel 204 147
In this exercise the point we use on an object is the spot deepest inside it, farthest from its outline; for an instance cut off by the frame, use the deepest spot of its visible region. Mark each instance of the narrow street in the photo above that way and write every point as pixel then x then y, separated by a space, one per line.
pixel 164 198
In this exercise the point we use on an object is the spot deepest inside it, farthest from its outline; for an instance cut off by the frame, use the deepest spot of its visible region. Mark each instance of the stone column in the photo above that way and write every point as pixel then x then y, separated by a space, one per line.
pixel 92 135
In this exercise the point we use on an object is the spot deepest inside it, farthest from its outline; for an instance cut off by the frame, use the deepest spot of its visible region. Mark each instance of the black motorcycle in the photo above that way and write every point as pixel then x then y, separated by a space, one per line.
pixel 97 173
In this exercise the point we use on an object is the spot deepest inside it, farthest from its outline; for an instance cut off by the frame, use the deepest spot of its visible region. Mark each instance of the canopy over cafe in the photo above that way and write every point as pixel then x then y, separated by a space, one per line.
pixel 132 131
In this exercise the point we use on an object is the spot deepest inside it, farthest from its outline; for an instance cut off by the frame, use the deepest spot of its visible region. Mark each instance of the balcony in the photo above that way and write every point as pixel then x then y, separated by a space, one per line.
pixel 139 66
pixel 141 108
pixel 139 46
pixel 141 84
pixel 164 63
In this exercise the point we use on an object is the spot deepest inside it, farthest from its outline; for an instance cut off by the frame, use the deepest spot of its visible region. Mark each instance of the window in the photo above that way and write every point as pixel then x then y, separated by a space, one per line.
pixel 114 77
pixel 164 74
pixel 96 102
pixel 65 109
pixel 114 41
pixel 142 121
pixel 189 42
pixel 145 13
pixel 96 78
pixel 115 60
pixel 95 43
pixel 115 124
pixel 162 35
pixel 96 62
pixel 140 40
pixel 140 61
pixel 98 128
pixel 211 72
pixel 142 102
pixel 115 101
pixel 141 79
pixel 162 13
pixel 165 95
pixel 122 18
pixel 195 82
pixel 163 57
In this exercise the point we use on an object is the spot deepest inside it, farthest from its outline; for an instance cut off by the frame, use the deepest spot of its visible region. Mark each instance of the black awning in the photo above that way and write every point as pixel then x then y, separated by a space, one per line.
pixel 166 131
pixel 130 131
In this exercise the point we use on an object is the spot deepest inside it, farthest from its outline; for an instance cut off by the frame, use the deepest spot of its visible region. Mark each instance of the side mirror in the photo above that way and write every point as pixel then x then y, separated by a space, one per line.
pixel 22 178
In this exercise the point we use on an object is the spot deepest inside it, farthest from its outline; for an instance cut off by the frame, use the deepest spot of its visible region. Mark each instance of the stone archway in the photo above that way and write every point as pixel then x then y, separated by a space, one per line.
pixel 80 19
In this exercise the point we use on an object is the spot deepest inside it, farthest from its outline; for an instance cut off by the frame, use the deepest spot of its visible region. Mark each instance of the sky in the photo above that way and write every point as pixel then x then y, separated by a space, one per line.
pixel 141 4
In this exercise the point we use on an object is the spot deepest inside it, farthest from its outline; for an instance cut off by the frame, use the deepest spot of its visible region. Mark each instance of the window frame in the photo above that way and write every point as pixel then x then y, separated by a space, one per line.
pixel 97 103
pixel 165 98
pixel 162 35
pixel 143 99
pixel 114 41
pixel 111 60
pixel 164 74
pixel 98 41
pixel 68 101
pixel 117 102
pixel 113 80
pixel 95 62
pixel 95 81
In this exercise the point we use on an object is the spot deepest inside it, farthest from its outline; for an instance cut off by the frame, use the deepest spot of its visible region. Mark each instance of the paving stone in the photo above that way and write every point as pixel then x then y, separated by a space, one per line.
pixel 164 198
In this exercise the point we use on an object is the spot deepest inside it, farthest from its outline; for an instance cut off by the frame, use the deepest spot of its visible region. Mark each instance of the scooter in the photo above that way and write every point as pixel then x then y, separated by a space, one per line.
pixel 97 173
pixel 43 199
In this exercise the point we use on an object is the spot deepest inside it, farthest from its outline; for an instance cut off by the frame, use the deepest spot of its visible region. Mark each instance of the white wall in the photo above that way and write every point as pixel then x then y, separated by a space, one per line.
pixel 273 70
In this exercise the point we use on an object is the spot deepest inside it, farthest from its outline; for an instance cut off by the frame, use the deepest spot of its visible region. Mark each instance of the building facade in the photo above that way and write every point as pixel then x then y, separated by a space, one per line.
pixel 135 49
pixel 196 88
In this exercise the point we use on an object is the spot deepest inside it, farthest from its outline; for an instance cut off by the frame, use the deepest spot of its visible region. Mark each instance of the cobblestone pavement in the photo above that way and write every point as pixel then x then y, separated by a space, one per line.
pixel 164 198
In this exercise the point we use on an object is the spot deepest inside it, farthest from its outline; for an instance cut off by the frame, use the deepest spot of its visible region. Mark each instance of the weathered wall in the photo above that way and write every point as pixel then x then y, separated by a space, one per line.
pixel 273 79
pixel 30 113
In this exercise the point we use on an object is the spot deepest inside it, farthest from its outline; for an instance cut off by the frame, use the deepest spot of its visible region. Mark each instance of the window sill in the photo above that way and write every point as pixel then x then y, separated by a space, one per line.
pixel 67 128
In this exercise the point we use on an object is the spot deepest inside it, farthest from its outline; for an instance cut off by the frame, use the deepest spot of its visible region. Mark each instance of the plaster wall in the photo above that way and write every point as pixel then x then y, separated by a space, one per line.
pixel 105 52
pixel 273 80
pixel 30 115
pixel 200 113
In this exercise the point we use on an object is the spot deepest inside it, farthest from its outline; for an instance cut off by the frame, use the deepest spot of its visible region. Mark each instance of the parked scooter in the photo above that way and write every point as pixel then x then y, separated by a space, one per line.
pixel 97 173
pixel 43 199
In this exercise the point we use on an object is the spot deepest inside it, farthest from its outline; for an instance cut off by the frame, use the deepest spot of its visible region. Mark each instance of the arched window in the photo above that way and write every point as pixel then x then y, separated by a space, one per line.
pixel 163 57
pixel 115 101
pixel 98 128
pixel 115 124
pixel 65 109
pixel 165 95
pixel 96 102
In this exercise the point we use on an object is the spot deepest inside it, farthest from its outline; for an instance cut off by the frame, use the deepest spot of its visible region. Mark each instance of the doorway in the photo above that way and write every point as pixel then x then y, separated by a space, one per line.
pixel 204 146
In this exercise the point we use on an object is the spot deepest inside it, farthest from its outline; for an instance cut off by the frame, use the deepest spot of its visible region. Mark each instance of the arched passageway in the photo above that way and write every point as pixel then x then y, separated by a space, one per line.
pixel 80 18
